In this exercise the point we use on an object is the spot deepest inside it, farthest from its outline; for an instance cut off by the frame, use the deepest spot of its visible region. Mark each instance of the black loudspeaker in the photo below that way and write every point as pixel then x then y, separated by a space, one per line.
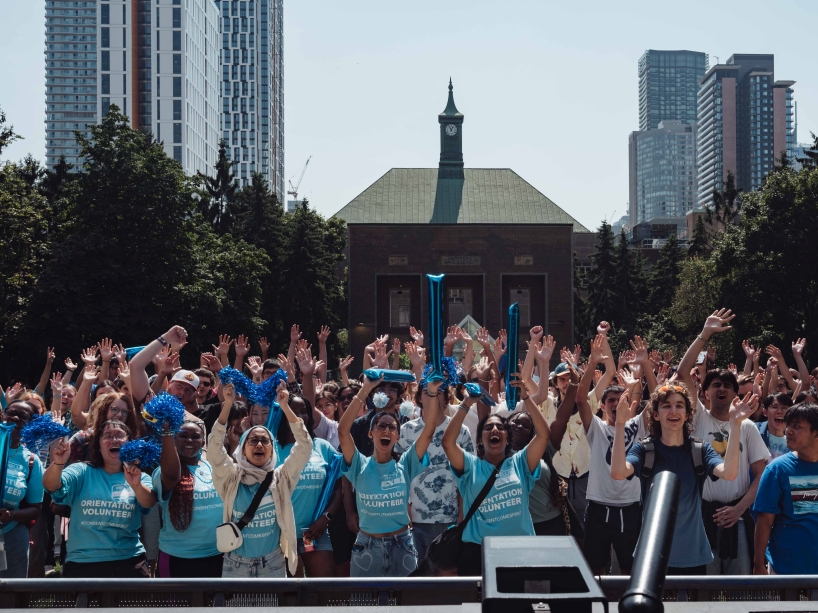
pixel 537 574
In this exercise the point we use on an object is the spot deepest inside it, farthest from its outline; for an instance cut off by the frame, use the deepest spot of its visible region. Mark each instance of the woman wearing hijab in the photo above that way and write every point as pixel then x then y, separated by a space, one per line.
pixel 270 537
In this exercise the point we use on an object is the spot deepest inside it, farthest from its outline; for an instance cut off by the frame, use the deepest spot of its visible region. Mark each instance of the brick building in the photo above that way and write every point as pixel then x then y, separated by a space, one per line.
pixel 496 237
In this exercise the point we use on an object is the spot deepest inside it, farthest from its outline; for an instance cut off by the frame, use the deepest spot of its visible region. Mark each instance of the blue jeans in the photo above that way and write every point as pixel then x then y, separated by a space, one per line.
pixel 16 545
pixel 390 556
pixel 271 566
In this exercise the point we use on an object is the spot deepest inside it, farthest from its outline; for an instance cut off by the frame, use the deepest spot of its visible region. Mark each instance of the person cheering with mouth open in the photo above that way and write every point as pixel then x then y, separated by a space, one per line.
pixel 670 448
pixel 384 546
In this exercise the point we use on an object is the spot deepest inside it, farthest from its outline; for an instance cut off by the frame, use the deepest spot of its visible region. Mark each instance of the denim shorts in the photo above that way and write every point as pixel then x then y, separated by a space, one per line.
pixel 272 566
pixel 322 543
pixel 389 556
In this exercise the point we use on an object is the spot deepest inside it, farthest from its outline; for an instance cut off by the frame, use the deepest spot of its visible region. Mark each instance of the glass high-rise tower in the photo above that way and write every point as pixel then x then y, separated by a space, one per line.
pixel 668 82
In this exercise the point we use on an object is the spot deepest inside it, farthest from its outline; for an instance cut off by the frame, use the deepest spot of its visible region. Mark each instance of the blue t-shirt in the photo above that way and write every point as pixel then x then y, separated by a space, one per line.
pixel 504 511
pixel 262 535
pixel 789 489
pixel 308 491
pixel 105 514
pixel 690 545
pixel 20 487
pixel 199 540
pixel 382 490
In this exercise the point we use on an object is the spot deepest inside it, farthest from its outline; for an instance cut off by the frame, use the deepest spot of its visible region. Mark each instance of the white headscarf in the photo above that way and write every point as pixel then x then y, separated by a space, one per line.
pixel 251 474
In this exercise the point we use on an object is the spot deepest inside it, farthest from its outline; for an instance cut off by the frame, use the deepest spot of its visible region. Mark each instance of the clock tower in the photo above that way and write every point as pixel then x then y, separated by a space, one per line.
pixel 451 140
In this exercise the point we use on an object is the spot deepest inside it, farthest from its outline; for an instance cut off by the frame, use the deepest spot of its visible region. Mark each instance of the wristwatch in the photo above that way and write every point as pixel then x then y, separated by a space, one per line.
pixel 328 515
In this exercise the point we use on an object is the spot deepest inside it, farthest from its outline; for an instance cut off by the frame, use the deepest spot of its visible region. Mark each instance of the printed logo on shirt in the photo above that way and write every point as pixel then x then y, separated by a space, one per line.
pixel 804 494
pixel 631 429
pixel 122 493
pixel 507 477
pixel 393 480
pixel 16 480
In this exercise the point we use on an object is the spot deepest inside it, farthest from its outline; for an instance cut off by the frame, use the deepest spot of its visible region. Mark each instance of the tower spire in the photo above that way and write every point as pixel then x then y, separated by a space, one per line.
pixel 451 139
pixel 451 109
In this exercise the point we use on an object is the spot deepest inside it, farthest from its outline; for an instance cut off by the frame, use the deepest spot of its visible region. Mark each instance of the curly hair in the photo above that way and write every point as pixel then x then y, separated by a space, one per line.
pixel 660 395
pixel 481 425
pixel 99 410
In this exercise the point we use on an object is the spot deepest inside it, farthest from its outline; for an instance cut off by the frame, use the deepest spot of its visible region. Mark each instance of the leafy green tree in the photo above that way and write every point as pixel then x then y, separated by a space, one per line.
pixel 665 275
pixel 7 134
pixel 811 159
pixel 699 245
pixel 217 205
pixel 726 203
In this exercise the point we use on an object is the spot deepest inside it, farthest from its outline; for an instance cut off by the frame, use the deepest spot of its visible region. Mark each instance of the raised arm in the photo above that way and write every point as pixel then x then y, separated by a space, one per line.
pixel 798 353
pixel 749 354
pixel 431 403
pixel 343 365
pixel 715 324
pixel 139 376
pixel 417 358
pixel 396 353
pixel 43 382
pixel 295 334
pixel 242 349
pixel 741 409
pixel 597 356
pixel 782 365
pixel 468 350
pixel 344 426
pixel 221 350
pixel 610 363
pixel 323 335
pixel 82 399
pixel 308 365
pixel 170 464
pixel 565 410
pixel 482 337
pixel 449 442
pixel 535 449
pixel 106 352
pixel 641 359
pixel 527 371
pixel 620 467
pixel 264 345
pixel 542 356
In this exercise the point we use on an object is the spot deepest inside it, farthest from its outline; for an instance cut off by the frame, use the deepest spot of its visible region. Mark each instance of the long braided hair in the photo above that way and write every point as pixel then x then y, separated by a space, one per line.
pixel 180 506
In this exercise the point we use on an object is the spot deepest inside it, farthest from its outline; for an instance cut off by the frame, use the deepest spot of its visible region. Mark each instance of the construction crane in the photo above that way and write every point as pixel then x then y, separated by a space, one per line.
pixel 293 191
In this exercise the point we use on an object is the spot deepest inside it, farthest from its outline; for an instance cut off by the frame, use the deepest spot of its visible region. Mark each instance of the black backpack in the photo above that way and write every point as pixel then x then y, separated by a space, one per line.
pixel 696 456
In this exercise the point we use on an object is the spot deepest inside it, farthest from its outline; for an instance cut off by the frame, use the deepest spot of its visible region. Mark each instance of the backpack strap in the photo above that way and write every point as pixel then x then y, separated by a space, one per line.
pixel 650 457
pixel 697 454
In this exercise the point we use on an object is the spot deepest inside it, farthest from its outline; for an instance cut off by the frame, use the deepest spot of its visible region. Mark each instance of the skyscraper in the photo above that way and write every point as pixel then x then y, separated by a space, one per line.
pixel 252 88
pixel 155 60
pixel 745 122
pixel 668 81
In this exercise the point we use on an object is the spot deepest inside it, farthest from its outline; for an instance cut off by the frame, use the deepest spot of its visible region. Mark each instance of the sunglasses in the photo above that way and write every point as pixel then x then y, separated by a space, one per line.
pixel 205 384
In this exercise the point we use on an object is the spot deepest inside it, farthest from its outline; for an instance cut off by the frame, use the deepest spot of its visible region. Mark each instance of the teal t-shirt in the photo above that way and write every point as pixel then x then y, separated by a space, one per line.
pixel 262 535
pixel 307 492
pixel 199 540
pixel 382 490
pixel 105 515
pixel 504 512
pixel 19 485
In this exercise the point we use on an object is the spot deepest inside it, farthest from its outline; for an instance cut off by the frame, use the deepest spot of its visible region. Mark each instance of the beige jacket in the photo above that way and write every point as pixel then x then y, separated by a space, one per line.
pixel 226 479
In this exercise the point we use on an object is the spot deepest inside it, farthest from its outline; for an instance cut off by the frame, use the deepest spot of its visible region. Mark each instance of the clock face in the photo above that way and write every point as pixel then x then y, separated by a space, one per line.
pixel 451 129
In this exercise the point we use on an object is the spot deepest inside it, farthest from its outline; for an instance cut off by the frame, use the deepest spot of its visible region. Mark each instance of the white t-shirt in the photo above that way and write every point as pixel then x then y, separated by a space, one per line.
pixel 717 432
pixel 603 488
pixel 327 429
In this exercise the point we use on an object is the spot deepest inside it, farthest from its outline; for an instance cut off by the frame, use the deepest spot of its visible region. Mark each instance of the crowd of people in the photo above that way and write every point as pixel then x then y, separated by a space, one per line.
pixel 277 470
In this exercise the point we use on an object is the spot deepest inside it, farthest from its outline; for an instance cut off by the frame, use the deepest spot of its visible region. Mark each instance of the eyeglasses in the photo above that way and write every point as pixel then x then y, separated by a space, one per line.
pixel 119 438
pixel 391 391
pixel 115 411
pixel 386 427
pixel 205 384
pixel 256 440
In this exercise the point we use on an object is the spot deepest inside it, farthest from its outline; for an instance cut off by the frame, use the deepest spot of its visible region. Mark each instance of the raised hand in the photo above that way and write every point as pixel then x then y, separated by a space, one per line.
pixel 343 363
pixel 264 344
pixel 242 346
pixel 60 451
pixel 451 336
pixel 775 352
pixel 566 356
pixel 627 378
pixel 655 357
pixel 732 368
pixel 577 355
pixel 624 358
pixel 381 359
pixel 89 356
pixel 625 410
pixel 229 393
pixel 396 346
pixel 482 337
pixel 717 323
pixel 640 351
pixel 224 345
pixel 597 354
pixel 12 392
pixel 171 365
pixel 711 354
pixel 285 364
pixel 56 383
pixel 282 395
pixel 664 371
pixel 160 358
pixel 536 333
pixel 125 373
pixel 254 364
pixel 461 333
pixel 106 349
pixel 603 328
pixel 416 335
pixel 295 333
pixel 69 364
pixel 50 355
pixel 798 346
pixel 211 362
pixel 742 408
pixel 176 336
pixel 416 355
pixel 668 357
pixel 546 349
pixel 90 373
pixel 306 362
pixel 749 350
pixel 323 335
pixel 121 354
pixel 500 344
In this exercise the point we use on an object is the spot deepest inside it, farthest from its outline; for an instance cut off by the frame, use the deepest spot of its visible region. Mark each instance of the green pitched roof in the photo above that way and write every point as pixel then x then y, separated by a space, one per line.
pixel 484 195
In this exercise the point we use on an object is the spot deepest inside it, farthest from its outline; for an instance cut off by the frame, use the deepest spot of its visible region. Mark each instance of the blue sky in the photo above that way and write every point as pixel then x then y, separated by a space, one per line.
pixel 548 89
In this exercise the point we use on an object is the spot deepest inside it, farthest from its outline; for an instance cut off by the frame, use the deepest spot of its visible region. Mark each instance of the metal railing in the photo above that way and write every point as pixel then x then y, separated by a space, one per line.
pixel 420 591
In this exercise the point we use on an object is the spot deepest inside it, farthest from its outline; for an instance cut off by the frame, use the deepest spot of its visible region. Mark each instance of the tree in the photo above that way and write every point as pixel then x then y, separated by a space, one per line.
pixel 602 278
pixel 665 275
pixel 811 161
pixel 726 203
pixel 216 206
pixel 7 134
pixel 631 285
pixel 699 245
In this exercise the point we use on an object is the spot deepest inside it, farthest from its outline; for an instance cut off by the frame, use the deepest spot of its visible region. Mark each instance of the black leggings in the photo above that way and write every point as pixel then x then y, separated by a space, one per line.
pixel 688 571
pixel 189 568
pixel 132 568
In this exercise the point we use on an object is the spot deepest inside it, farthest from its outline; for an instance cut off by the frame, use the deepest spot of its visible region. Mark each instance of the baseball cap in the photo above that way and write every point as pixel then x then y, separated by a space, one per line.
pixel 561 369
pixel 186 376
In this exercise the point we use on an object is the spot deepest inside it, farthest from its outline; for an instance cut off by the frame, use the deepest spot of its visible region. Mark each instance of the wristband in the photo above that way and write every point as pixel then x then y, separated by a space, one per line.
pixel 57 464
pixel 432 395
pixel 167 433
pixel 57 395
pixel 163 341
pixel 463 408
pixel 328 515
pixel 699 336
pixel 105 361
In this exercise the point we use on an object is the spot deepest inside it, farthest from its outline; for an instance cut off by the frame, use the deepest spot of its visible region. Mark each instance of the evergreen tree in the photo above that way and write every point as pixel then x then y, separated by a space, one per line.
pixel 602 278
pixel 7 134
pixel 665 275
pixel 631 285
pixel 216 207
pixel 811 159
pixel 699 245
pixel 726 203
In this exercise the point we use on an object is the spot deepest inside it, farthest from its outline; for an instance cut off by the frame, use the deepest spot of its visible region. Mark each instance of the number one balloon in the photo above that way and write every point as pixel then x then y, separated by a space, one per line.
pixel 436 330
pixel 511 355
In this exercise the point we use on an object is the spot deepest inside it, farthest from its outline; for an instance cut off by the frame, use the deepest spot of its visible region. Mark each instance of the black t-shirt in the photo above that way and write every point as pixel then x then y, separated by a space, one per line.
pixel 209 413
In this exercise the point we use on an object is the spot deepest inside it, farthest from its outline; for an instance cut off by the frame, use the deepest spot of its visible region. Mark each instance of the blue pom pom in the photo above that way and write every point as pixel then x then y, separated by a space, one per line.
pixel 451 373
pixel 263 395
pixel 164 411
pixel 143 452
pixel 41 432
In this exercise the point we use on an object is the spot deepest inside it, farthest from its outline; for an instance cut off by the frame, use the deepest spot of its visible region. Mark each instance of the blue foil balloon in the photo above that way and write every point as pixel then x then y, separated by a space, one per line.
pixel 333 473
pixel 5 445
pixel 511 351
pixel 475 391
pixel 274 418
pixel 437 332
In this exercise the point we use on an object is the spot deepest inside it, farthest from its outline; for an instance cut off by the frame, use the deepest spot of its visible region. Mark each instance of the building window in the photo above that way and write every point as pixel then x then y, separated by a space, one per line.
pixel 106 105
pixel 400 308
pixel 105 37
pixel 177 153
pixel 106 84
pixel 522 296
pixel 460 304
pixel 177 87
pixel 177 133
pixel 177 18
pixel 106 60
pixel 177 63
pixel 177 110
pixel 105 14
pixel 177 40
